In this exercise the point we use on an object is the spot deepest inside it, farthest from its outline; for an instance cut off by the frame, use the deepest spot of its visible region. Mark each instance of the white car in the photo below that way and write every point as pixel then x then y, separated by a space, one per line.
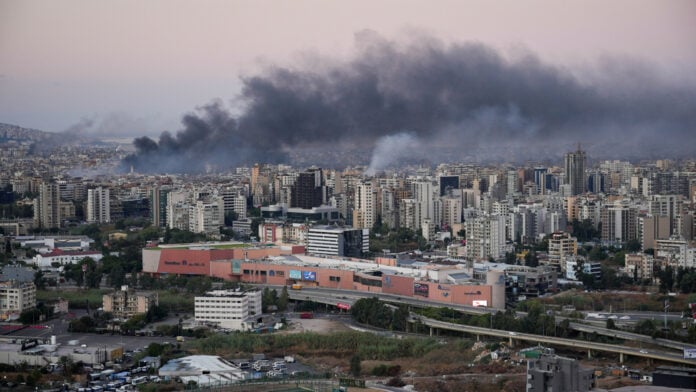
pixel 643 351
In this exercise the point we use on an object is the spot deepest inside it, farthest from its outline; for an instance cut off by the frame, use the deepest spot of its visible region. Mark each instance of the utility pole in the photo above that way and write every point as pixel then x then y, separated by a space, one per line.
pixel 666 307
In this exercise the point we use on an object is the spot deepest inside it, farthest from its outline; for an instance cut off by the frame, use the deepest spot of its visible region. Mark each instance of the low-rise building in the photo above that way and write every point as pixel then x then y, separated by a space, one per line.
pixel 230 309
pixel 64 257
pixel 639 265
pixel 126 303
pixel 16 297
pixel 555 373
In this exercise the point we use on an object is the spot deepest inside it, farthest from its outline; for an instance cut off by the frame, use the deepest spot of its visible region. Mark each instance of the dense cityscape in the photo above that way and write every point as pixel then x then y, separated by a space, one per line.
pixel 556 240
pixel 347 196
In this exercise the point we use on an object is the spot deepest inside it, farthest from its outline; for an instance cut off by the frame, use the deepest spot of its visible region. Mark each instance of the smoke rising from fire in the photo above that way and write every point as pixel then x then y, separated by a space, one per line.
pixel 460 95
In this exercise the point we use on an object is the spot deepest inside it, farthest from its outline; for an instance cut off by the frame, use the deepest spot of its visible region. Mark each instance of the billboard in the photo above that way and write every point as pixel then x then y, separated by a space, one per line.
pixel 309 275
pixel 295 274
pixel 689 353
pixel 421 289
pixel 483 303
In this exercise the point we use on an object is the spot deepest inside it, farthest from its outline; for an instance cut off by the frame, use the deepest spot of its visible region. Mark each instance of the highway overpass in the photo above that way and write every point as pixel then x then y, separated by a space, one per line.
pixel 332 297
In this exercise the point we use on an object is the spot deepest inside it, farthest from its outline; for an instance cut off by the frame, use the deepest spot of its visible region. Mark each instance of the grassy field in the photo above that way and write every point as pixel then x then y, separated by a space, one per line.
pixel 76 298
pixel 174 301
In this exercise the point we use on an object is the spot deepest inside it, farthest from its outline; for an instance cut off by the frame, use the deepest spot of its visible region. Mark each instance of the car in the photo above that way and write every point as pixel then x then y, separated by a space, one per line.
pixel 625 317
pixel 513 333
pixel 643 351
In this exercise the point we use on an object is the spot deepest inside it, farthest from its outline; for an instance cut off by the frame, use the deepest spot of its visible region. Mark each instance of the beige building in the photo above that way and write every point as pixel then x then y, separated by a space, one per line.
pixel 561 247
pixel 16 297
pixel 127 303
pixel 639 265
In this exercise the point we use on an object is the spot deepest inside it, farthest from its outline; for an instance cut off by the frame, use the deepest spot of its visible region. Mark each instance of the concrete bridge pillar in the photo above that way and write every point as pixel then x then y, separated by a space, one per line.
pixel 511 342
pixel 589 353
pixel 621 358
pixel 431 331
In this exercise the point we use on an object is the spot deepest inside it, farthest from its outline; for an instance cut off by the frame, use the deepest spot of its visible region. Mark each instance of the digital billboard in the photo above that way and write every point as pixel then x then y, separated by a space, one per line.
pixel 295 274
pixel 309 275
pixel 483 303
pixel 421 289
pixel 689 353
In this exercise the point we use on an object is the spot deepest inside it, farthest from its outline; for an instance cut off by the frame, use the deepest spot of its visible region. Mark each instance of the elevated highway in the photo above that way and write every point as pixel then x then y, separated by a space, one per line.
pixel 332 297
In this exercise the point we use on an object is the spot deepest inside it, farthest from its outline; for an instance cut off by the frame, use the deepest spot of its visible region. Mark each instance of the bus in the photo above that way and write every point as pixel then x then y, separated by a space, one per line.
pixel 139 380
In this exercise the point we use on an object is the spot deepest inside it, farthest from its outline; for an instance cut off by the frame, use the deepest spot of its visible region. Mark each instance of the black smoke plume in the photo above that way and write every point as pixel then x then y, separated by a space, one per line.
pixel 459 96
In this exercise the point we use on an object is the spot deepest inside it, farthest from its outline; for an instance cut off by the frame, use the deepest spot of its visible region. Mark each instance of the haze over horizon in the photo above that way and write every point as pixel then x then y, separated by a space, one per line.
pixel 461 74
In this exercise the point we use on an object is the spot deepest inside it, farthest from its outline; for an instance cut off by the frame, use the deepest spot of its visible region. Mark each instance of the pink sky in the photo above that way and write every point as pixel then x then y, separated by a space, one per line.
pixel 148 62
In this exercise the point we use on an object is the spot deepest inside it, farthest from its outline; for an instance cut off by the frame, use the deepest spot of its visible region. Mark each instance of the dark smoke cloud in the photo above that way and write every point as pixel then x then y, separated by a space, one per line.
pixel 456 95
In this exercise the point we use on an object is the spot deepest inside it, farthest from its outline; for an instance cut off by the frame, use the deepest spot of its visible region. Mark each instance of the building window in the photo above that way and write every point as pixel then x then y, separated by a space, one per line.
pixel 334 278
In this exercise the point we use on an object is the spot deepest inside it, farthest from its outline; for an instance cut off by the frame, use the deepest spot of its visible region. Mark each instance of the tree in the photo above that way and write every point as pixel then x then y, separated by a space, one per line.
pixel 39 280
pixel 531 259
pixel 510 258
pixel 633 245
pixel 666 276
pixel 355 367
pixel 611 324
pixel 597 254
pixel 283 300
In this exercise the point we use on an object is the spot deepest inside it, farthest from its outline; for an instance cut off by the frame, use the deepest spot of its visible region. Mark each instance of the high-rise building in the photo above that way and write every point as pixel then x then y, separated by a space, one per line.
pixel 206 216
pixel 423 192
pixel 485 237
pixel 365 206
pixel 618 223
pixel 98 205
pixel 47 206
pixel 575 171
pixel 308 191
pixel 158 205
pixel 562 247
pixel 448 182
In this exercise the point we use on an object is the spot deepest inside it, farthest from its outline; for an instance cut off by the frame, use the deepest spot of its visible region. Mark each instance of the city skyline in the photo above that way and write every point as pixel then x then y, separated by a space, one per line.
pixel 403 82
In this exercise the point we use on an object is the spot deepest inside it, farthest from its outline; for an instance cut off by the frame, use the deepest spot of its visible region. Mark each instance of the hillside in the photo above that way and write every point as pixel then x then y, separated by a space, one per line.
pixel 15 133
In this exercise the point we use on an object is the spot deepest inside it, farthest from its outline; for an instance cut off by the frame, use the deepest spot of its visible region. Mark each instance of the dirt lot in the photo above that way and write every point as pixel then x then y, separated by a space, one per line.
pixel 319 325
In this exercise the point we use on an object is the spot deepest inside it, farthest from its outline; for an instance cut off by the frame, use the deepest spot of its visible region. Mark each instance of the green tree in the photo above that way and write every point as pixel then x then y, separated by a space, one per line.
pixel 633 246
pixel 283 299
pixel 39 280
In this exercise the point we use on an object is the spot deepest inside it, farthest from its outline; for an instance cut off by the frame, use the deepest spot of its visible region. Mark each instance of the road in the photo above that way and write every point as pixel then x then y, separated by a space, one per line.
pixel 331 297
pixel 59 329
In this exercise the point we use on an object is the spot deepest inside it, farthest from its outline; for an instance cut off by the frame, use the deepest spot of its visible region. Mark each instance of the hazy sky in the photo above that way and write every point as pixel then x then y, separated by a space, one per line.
pixel 135 67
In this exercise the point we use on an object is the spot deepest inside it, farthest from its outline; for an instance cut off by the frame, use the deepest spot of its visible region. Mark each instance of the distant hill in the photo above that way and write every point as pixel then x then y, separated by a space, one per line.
pixel 15 133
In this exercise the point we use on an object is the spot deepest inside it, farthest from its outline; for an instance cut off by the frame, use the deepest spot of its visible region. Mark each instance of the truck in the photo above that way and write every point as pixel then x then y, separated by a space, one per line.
pixel 180 339
pixel 296 286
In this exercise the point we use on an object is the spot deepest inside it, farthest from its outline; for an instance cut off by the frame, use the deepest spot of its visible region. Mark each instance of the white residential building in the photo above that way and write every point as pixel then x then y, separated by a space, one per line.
pixel 206 216
pixel 336 241
pixel 235 310
pixel 98 207
pixel 61 257
pixel 485 237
